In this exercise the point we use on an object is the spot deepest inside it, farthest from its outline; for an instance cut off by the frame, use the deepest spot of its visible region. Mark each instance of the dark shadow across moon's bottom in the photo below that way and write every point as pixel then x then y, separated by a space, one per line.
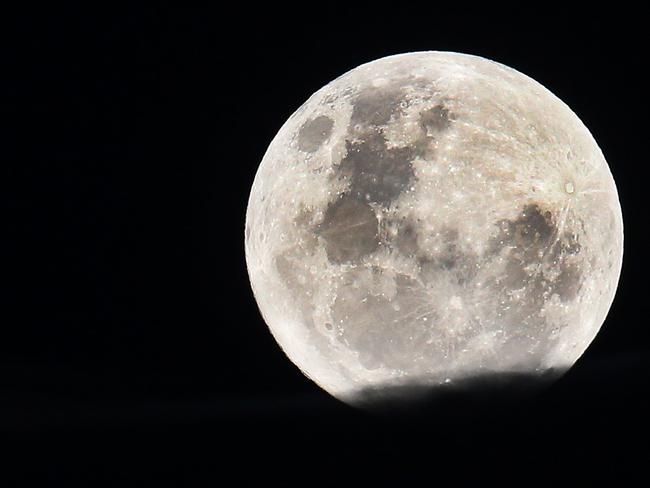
pixel 489 391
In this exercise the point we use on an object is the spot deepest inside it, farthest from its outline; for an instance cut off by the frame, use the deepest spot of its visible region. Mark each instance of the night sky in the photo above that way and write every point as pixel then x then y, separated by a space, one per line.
pixel 131 348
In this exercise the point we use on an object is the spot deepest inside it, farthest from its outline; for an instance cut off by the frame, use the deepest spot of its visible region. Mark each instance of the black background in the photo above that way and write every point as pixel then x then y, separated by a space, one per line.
pixel 131 349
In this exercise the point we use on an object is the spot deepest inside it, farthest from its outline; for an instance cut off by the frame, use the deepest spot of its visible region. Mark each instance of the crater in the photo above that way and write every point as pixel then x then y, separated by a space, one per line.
pixel 314 133
pixel 377 173
pixel 350 229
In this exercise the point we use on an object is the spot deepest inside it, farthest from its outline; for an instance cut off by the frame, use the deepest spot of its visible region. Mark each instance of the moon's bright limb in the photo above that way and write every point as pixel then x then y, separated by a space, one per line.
pixel 429 217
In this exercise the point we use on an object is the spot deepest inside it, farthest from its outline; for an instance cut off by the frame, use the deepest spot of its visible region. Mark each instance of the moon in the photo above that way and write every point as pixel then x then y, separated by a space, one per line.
pixel 428 218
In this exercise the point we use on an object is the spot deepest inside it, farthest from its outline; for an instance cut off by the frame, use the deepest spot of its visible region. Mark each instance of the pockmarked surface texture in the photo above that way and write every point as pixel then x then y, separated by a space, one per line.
pixel 430 217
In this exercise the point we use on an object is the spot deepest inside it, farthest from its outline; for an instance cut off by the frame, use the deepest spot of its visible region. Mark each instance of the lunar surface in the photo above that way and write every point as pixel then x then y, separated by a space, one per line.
pixel 428 218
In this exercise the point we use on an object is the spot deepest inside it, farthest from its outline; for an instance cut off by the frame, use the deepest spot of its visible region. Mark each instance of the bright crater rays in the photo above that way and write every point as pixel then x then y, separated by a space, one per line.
pixel 430 217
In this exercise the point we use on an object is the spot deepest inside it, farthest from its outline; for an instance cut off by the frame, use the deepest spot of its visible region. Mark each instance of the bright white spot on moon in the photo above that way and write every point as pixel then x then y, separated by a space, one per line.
pixel 428 218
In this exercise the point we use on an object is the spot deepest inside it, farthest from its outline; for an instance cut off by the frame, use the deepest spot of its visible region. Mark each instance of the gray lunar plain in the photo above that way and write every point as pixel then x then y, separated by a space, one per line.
pixel 430 217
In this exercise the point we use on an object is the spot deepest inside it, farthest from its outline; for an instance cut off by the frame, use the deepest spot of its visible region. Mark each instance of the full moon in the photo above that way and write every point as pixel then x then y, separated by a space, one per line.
pixel 429 218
